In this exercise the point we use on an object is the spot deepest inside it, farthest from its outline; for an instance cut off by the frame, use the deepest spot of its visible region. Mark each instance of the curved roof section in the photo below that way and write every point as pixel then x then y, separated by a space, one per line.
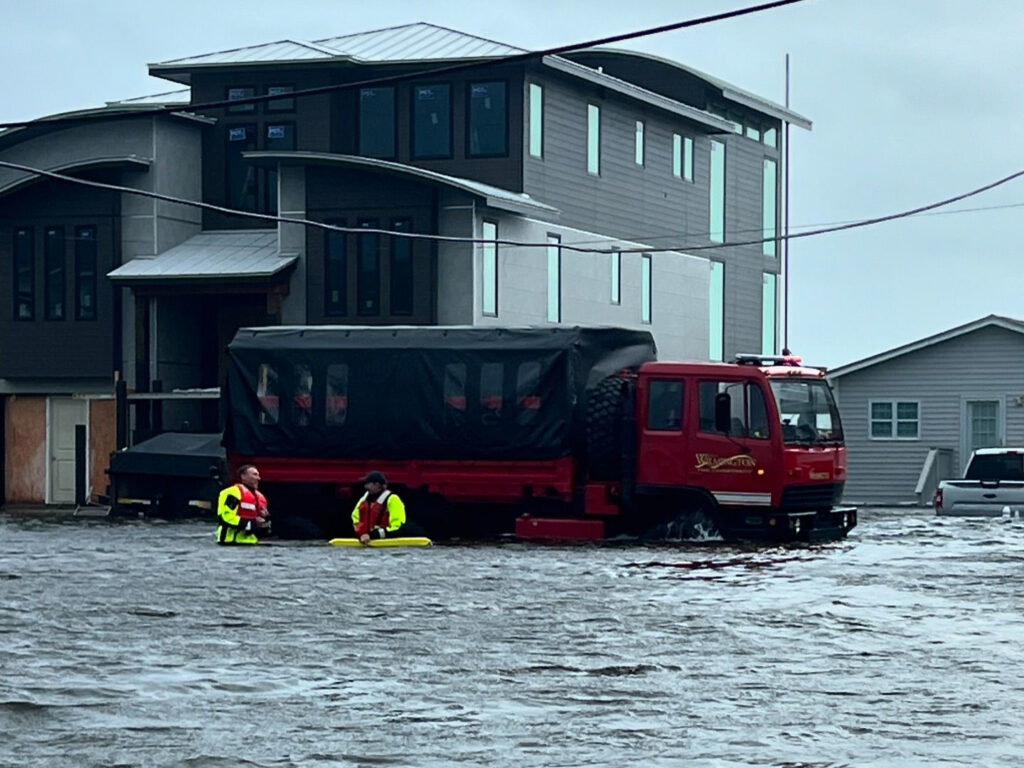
pixel 23 179
pixel 502 199
pixel 656 73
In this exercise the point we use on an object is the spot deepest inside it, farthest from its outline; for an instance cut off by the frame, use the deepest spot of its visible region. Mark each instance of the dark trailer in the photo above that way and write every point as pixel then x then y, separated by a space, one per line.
pixel 453 415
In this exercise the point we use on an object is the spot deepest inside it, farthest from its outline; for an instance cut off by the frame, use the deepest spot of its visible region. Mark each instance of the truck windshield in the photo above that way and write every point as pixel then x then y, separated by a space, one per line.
pixel 807 410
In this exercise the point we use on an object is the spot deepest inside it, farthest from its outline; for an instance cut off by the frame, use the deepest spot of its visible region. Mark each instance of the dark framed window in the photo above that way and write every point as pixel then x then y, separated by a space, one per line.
pixel 401 272
pixel 487 119
pixel 490 268
pixel 277 137
pixel 85 273
pixel 336 272
pixel 368 270
pixel 431 121
pixel 279 105
pixel 24 274
pixel 240 176
pixel 377 122
pixel 238 92
pixel 55 264
pixel 268 394
pixel 665 406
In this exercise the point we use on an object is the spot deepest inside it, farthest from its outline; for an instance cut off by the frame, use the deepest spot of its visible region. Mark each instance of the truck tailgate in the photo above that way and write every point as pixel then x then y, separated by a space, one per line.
pixel 983 498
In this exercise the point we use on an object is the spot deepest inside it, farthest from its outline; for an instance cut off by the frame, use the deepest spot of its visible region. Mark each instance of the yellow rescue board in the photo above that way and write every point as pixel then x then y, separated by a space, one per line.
pixel 399 541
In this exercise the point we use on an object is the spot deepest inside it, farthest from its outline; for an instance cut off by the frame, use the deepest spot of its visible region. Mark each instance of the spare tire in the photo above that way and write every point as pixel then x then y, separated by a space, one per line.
pixel 605 404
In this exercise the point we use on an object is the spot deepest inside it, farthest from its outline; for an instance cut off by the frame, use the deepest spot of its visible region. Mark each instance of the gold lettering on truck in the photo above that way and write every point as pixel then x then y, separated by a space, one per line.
pixel 709 462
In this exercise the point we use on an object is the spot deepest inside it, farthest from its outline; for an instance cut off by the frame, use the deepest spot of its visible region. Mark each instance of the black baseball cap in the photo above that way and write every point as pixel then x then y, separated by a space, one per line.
pixel 375 477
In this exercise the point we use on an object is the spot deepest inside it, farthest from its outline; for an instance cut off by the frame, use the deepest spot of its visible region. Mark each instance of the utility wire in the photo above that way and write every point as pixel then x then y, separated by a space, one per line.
pixel 505 60
pixel 609 248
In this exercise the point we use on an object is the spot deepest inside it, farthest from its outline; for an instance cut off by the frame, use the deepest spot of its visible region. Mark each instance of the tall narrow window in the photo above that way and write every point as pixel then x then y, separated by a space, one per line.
pixel 717 189
pixel 401 279
pixel 593 139
pixel 638 142
pixel 335 273
pixel 554 279
pixel 431 121
pixel 616 278
pixel 278 137
pixel 489 251
pixel 716 306
pixel 368 271
pixel 769 302
pixel 55 263
pixel 336 401
pixel 688 158
pixel 536 120
pixel 769 208
pixel 85 273
pixel 677 155
pixel 377 122
pixel 302 397
pixel 24 274
pixel 645 289
pixel 240 176
pixel 487 121
pixel 770 137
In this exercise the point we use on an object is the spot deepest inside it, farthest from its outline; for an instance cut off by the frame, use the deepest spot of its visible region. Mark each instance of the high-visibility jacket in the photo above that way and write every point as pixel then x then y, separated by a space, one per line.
pixel 378 517
pixel 237 511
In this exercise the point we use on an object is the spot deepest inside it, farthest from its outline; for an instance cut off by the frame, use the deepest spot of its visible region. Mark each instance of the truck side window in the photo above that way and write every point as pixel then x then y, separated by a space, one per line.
pixel 492 376
pixel 739 423
pixel 302 402
pixel 455 394
pixel 665 406
pixel 527 389
pixel 267 394
pixel 758 412
pixel 336 405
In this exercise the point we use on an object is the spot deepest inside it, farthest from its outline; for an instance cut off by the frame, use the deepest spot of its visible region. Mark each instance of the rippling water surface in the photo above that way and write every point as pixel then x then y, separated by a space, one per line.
pixel 146 644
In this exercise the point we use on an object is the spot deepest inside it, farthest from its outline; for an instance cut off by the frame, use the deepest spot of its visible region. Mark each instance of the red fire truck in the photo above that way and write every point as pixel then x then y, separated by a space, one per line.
pixel 544 433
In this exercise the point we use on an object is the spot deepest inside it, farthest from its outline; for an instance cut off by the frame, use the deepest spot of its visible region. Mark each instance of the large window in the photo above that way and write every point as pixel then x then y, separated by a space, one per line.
pixel 279 105
pixel 593 139
pixel 487 120
pixel 616 278
pixel 368 271
pixel 240 176
pixel 431 121
pixel 638 142
pixel 241 92
pixel 554 279
pixel 377 122
pixel 278 137
pixel 536 120
pixel 769 302
pixel 24 274
pixel 401 273
pixel 717 188
pixel 665 406
pixel 769 208
pixel 716 305
pixel 895 419
pixel 490 269
pixel 748 411
pixel 85 273
pixel 335 273
pixel 54 261
pixel 645 289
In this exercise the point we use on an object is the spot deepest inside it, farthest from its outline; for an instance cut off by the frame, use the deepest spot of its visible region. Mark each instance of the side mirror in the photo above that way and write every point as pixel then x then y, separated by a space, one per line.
pixel 723 412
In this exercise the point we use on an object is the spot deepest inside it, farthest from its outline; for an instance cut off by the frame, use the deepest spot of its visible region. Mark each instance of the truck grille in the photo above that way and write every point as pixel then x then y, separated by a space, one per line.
pixel 797 497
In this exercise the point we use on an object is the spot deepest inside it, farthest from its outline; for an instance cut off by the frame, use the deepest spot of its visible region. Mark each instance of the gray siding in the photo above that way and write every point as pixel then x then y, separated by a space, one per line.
pixel 647 203
pixel 985 364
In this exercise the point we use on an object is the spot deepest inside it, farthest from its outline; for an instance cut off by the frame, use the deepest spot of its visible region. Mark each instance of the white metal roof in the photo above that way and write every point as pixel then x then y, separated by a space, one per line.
pixel 496 197
pixel 179 96
pixel 997 321
pixel 211 255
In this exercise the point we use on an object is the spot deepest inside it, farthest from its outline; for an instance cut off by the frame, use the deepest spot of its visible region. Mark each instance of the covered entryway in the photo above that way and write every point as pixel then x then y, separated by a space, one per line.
pixel 64 415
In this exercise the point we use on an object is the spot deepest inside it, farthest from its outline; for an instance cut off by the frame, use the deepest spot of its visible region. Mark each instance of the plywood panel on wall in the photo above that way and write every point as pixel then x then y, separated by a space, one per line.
pixel 25 437
pixel 102 442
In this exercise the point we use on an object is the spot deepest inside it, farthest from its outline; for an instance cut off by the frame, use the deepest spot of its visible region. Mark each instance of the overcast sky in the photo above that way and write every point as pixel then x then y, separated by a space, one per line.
pixel 913 101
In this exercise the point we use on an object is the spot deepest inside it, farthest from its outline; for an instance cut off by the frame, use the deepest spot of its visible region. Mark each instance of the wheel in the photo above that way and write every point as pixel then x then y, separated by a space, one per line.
pixel 604 428
pixel 687 522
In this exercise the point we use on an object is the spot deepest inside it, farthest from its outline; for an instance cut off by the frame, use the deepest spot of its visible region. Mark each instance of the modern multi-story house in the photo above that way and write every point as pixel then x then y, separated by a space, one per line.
pixel 509 162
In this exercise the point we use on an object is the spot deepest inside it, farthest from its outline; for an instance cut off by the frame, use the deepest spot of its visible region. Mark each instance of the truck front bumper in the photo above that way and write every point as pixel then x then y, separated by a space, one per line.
pixel 773 525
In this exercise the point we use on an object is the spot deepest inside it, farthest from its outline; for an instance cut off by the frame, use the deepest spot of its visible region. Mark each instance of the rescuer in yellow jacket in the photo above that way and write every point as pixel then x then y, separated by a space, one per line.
pixel 379 514
pixel 242 509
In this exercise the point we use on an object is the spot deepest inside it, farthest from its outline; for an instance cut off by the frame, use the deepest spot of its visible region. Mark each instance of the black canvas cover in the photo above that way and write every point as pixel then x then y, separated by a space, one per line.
pixel 180 454
pixel 419 392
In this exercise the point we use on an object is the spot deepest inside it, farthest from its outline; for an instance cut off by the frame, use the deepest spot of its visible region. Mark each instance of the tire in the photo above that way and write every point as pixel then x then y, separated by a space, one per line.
pixel 604 428
pixel 689 522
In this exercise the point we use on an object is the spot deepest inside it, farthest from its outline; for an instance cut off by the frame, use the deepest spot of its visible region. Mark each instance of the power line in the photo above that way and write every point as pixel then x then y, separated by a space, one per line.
pixel 609 248
pixel 513 59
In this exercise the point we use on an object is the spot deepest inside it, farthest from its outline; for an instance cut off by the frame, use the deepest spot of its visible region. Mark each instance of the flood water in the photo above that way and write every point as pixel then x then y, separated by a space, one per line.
pixel 145 644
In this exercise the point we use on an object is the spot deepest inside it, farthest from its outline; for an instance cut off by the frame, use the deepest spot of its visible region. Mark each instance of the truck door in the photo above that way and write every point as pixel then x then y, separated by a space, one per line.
pixel 662 435
pixel 736 465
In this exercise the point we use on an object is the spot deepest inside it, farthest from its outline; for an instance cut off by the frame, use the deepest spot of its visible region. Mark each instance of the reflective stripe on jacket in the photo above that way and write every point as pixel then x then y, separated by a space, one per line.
pixel 237 509
pixel 386 512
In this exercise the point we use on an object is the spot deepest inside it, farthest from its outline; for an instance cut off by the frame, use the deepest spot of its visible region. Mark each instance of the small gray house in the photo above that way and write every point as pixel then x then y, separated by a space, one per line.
pixel 912 415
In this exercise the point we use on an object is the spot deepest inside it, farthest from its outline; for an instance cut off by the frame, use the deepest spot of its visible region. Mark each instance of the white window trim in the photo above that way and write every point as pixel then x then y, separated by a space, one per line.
pixel 892 422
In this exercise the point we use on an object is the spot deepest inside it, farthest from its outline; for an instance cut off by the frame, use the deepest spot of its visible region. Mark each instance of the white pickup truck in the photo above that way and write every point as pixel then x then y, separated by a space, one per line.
pixel 992 486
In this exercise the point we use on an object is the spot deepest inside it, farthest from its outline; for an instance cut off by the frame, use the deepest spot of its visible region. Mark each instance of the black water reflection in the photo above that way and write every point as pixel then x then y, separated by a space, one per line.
pixel 145 644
